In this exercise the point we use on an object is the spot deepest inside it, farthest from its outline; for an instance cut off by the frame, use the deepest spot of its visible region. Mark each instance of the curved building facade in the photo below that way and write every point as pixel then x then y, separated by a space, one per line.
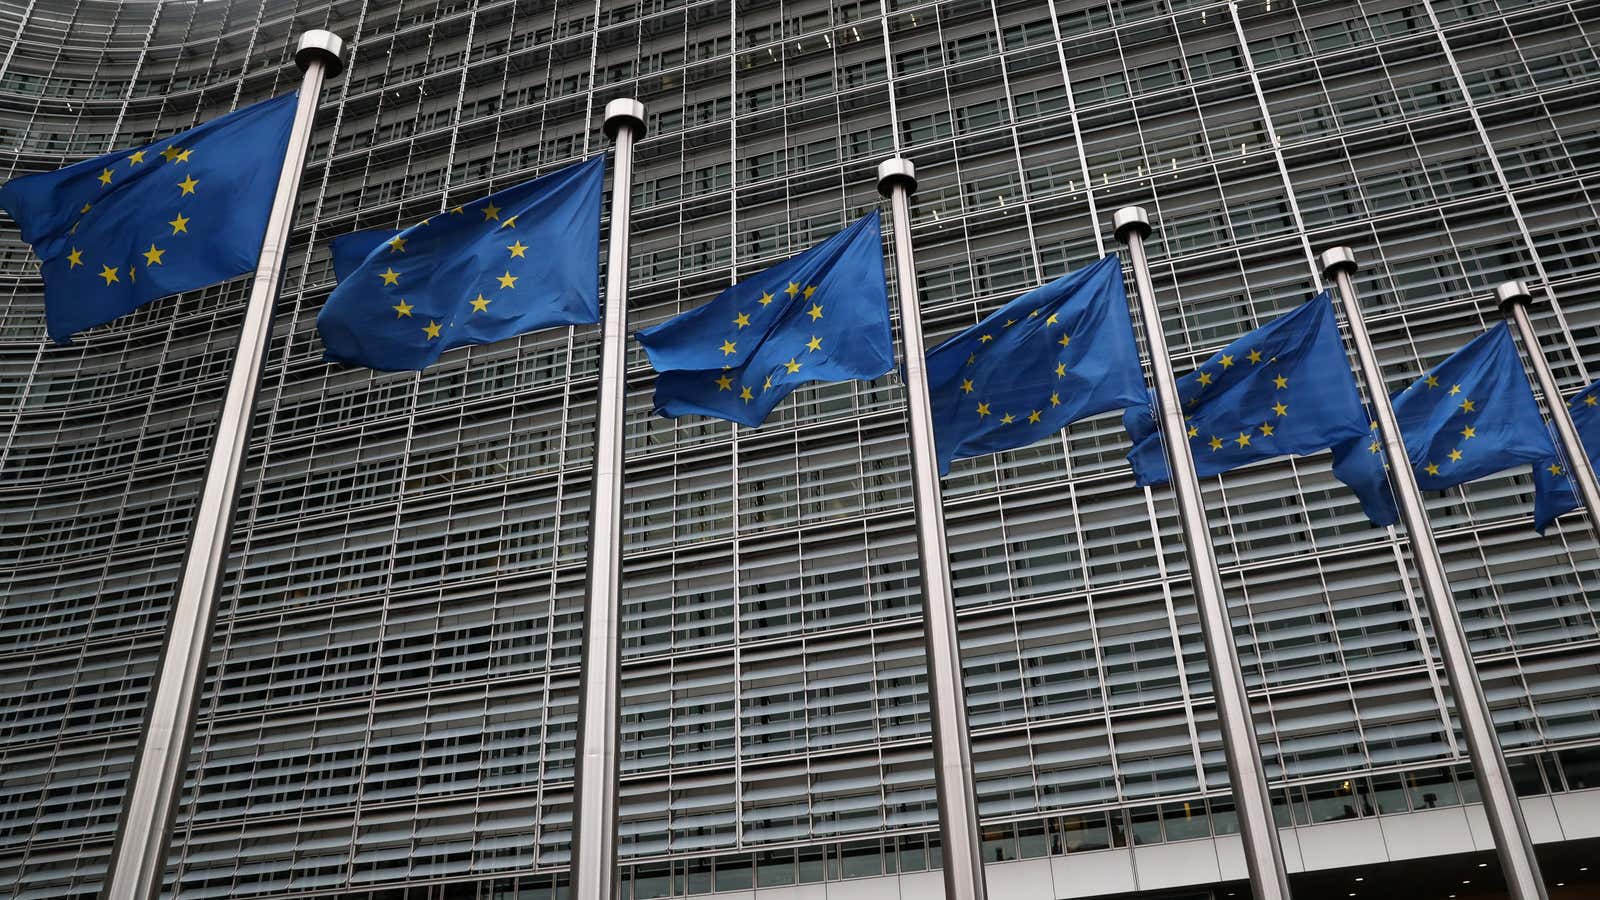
pixel 390 707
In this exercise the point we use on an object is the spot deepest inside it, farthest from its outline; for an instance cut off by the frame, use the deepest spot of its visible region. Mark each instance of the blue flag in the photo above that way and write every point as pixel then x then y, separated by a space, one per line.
pixel 522 259
pixel 1285 388
pixel 1553 491
pixel 820 316
pixel 1057 354
pixel 115 232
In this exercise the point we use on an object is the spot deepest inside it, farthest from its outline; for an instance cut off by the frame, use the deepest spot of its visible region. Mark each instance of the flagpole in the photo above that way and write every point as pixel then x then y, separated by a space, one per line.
pixel 144 826
pixel 953 783
pixel 594 789
pixel 1514 301
pixel 1518 864
pixel 1263 852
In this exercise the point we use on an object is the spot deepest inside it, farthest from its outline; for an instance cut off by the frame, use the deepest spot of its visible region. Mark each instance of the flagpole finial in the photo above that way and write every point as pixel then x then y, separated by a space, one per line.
pixel 896 170
pixel 1513 292
pixel 1128 220
pixel 624 111
pixel 1338 259
pixel 320 45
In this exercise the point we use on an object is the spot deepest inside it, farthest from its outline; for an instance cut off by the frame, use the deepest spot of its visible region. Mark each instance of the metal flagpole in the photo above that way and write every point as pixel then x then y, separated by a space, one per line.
pixel 1517 861
pixel 594 790
pixel 144 828
pixel 1514 301
pixel 952 747
pixel 1263 853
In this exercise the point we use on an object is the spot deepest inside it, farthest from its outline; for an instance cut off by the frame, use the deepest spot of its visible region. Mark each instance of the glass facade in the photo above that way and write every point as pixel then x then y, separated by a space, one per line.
pixel 391 702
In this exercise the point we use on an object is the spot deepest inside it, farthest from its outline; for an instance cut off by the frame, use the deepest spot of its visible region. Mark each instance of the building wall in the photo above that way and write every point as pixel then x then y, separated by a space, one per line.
pixel 392 696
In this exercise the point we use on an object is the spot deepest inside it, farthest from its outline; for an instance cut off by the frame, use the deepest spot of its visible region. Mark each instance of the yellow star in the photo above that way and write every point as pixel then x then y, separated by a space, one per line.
pixel 1432 381
pixel 728 348
pixel 1553 469
pixel 985 338
pixel 972 358
pixel 792 366
pixel 724 383
pixel 170 154
pixel 1243 439
pixel 431 329
pixel 741 320
pixel 456 211
pixel 105 176
pixel 1194 431
pixel 1216 443
pixel 1266 429
pixel 397 244
pixel 1281 382
pixel 1009 323
pixel 389 276
pixel 983 410
pixel 1055 399
pixel 1455 455
pixel 765 299
pixel 745 394
pixel 966 386
pixel 1467 406
pixel 152 257
pixel 1590 401
pixel 815 311
pixel 809 292
pixel 480 304
pixel 792 289
pixel 1432 468
pixel 1061 370
pixel 187 184
pixel 181 223
pixel 75 258
pixel 1469 432
pixel 1254 357
pixel 767 385
pixel 136 157
pixel 1205 379
pixel 517 250
pixel 1007 419
pixel 1227 362
pixel 1051 320
pixel 109 274
pixel 814 344
pixel 509 223
pixel 86 208
pixel 490 211
pixel 1280 409
pixel 1374 447
pixel 402 311
pixel 1033 417
pixel 507 280
pixel 1065 340
pixel 1455 389
pixel 183 155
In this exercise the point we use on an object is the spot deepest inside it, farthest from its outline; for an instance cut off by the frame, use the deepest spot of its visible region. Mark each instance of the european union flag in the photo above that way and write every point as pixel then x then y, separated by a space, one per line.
pixel 1054 355
pixel 1473 415
pixel 516 261
pixel 115 232
pixel 820 316
pixel 1553 492
pixel 1285 388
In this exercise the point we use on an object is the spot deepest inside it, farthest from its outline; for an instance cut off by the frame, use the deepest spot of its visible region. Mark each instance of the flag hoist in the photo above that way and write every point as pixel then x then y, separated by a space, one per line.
pixel 1518 863
pixel 1263 853
pixel 1514 301
pixel 594 789
pixel 952 748
pixel 144 828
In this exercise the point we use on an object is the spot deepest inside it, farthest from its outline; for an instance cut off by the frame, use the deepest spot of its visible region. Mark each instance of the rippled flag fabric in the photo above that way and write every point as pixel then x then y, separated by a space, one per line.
pixel 1473 415
pixel 120 230
pixel 1056 354
pixel 519 260
pixel 822 315
pixel 1554 493
pixel 1284 389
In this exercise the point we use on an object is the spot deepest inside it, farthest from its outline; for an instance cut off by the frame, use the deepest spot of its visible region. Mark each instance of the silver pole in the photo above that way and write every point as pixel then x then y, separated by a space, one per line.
pixel 1263 854
pixel 594 791
pixel 1515 300
pixel 953 783
pixel 144 827
pixel 1517 861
